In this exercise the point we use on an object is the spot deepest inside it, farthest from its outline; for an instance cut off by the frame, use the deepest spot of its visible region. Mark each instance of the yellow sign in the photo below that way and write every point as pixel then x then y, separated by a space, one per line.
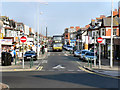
pixel 1 35
pixel 86 46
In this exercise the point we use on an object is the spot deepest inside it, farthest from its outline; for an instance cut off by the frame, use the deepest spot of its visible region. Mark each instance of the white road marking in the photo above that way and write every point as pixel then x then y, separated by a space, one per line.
pixel 65 54
pixel 71 70
pixel 58 67
pixel 51 70
pixel 44 61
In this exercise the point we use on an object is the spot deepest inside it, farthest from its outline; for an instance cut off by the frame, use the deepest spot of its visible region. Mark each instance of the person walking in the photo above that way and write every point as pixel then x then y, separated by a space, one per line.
pixel 14 54
pixel 42 49
pixel 11 52
pixel 46 49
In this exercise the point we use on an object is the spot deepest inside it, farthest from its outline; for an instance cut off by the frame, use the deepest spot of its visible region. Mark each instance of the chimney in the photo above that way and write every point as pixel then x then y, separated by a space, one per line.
pixel 115 12
pixel 77 28
pixel 71 27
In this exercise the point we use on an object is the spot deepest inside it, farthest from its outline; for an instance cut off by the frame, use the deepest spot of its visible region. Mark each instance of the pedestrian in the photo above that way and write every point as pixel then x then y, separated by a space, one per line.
pixel 42 49
pixel 14 53
pixel 11 52
pixel 46 49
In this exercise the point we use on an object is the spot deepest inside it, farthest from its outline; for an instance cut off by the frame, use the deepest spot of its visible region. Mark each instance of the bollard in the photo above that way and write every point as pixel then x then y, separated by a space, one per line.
pixel 15 60
pixel 32 60
pixel 91 64
pixel 88 62
pixel 30 63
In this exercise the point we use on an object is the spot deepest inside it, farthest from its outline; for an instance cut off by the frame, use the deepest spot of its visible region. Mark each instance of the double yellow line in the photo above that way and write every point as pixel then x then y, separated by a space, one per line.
pixel 81 68
pixel 40 68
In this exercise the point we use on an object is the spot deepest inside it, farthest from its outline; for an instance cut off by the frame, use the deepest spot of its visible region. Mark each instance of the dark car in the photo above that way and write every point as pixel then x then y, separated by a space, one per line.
pixel 29 54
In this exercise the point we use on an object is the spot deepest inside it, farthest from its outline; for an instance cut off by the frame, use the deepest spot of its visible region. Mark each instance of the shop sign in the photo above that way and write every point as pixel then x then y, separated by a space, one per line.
pixel 6 41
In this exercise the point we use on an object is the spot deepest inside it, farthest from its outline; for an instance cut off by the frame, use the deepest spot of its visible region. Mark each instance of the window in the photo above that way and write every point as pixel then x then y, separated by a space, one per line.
pixel 114 31
pixel 103 32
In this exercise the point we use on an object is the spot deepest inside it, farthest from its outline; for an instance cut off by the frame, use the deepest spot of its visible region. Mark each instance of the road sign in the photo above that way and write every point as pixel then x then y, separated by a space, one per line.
pixel 23 39
pixel 1 35
pixel 99 40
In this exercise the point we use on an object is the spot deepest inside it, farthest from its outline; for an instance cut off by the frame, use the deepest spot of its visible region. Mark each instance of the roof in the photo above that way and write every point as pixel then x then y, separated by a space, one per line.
pixel 107 21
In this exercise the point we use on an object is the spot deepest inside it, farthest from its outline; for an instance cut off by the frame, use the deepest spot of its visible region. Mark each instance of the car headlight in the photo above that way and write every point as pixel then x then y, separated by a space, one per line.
pixel 86 58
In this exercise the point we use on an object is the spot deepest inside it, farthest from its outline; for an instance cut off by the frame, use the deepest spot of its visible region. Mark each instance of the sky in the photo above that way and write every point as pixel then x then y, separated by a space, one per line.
pixel 56 15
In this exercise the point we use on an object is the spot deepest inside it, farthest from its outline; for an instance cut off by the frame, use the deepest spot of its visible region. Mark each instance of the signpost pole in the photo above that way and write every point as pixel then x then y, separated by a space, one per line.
pixel 23 54
pixel 78 42
pixel 94 51
pixel 99 56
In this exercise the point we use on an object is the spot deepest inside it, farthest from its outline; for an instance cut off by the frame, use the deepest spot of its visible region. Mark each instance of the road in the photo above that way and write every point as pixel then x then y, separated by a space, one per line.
pixel 59 70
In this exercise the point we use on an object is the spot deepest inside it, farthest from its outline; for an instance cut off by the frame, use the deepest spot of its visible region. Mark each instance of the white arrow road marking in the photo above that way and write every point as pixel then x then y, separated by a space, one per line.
pixel 58 67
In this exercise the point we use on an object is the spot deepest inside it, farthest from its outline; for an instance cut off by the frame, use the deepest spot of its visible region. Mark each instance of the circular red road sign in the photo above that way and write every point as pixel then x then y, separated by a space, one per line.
pixel 99 40
pixel 23 39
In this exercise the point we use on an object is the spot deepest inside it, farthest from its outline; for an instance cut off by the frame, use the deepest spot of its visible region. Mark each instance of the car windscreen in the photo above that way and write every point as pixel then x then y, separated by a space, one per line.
pixel 30 53
pixel 83 52
pixel 57 45
pixel 69 46
pixel 77 50
pixel 92 54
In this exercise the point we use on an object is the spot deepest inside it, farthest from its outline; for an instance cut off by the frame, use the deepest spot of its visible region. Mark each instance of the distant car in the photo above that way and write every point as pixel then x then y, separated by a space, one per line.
pixel 65 46
pixel 69 48
pixel 89 56
pixel 29 54
pixel 77 53
pixel 82 53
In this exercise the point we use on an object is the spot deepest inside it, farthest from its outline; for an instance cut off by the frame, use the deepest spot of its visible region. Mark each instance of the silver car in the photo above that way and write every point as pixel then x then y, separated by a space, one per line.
pixel 82 53
pixel 89 56
pixel 77 53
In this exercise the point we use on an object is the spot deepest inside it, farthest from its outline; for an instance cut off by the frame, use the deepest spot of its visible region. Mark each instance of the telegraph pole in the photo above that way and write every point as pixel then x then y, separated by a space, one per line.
pixel 46 32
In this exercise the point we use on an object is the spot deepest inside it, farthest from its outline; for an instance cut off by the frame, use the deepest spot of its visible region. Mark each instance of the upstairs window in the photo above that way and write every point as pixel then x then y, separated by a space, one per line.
pixel 103 32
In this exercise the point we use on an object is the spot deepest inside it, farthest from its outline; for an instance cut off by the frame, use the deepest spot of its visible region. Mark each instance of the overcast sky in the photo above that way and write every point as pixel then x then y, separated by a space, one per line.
pixel 56 15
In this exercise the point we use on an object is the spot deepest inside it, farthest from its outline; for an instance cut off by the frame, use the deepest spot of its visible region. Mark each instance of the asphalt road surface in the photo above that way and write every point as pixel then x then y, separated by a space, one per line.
pixel 59 70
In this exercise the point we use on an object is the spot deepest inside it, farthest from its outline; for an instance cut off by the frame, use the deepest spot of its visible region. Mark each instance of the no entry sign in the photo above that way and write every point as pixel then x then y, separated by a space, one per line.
pixel 99 40
pixel 23 39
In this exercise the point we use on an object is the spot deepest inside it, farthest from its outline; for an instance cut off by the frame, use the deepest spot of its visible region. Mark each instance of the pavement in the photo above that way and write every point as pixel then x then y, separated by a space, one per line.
pixel 19 65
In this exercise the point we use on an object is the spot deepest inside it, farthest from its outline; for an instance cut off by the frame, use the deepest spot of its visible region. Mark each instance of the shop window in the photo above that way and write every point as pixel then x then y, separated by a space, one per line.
pixel 114 31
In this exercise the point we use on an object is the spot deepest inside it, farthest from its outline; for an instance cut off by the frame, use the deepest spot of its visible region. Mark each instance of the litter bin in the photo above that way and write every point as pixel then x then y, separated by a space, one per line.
pixel 6 58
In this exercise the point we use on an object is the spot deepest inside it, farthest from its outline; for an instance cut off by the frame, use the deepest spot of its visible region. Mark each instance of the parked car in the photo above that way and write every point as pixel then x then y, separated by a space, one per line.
pixel 89 56
pixel 69 48
pixel 82 53
pixel 29 54
pixel 77 53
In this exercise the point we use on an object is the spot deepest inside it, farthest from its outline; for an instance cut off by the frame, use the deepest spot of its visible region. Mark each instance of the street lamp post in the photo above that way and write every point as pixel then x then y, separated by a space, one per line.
pixel 38 30
pixel 38 26
pixel 111 51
